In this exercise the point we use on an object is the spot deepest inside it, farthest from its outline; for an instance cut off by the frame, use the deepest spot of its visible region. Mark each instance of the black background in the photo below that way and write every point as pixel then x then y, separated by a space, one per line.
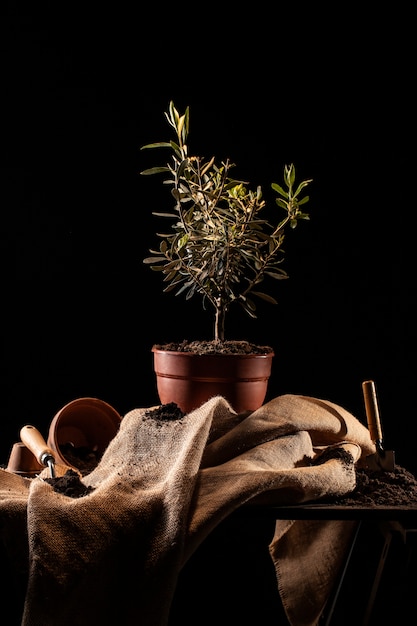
pixel 84 88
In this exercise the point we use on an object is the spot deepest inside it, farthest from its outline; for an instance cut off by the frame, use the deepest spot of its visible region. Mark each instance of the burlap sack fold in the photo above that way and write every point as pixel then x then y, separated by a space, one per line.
pixel 113 556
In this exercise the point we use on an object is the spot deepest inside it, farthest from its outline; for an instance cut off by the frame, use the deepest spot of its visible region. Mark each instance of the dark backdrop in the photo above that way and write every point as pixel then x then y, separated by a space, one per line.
pixel 83 89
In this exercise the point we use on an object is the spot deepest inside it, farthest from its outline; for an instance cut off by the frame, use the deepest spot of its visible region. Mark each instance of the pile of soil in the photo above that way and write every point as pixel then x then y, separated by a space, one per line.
pixel 165 413
pixel 382 488
pixel 70 485
pixel 215 347
pixel 374 487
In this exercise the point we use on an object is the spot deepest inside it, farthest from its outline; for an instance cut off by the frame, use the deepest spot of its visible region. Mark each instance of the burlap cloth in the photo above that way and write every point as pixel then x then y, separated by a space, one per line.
pixel 113 556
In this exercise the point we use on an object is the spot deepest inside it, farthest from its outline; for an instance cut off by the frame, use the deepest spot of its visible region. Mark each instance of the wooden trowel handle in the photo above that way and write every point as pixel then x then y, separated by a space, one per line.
pixel 372 411
pixel 33 440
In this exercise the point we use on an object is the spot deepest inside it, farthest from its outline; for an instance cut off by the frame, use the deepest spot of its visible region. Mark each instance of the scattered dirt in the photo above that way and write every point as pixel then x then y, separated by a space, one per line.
pixel 215 347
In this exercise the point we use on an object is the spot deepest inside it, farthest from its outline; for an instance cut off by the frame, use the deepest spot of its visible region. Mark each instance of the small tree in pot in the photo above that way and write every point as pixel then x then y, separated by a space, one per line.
pixel 219 245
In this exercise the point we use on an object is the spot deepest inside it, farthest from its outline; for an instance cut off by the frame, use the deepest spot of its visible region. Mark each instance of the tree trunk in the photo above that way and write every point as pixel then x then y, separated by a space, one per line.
pixel 219 324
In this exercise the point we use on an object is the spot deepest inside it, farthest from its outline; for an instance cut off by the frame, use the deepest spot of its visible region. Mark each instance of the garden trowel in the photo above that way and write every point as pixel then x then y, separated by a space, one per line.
pixel 33 440
pixel 382 459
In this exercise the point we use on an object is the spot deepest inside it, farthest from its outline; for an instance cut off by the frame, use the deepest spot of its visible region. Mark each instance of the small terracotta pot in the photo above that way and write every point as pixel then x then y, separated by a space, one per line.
pixel 190 379
pixel 84 423
pixel 23 462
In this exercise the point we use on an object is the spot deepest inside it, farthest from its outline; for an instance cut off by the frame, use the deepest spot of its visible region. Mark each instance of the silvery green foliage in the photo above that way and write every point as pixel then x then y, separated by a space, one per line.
pixel 218 244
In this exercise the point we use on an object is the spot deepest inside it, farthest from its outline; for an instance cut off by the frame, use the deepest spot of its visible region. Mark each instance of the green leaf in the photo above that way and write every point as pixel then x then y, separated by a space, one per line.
pixel 264 296
pixel 157 268
pixel 157 214
pixel 281 203
pixel 154 170
pixel 289 174
pixel 251 312
pixel 278 275
pixel 173 284
pixel 183 241
pixel 172 265
pixel 159 144
pixel 154 259
pixel 182 167
pixel 301 186
pixel 279 190
pixel 170 276
pixel 207 166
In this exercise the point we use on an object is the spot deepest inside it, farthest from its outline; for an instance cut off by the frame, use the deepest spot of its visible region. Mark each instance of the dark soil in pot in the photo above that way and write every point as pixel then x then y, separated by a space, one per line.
pixel 215 347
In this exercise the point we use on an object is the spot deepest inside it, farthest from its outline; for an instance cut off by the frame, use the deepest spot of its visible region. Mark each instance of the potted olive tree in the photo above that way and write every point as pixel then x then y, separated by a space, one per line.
pixel 221 247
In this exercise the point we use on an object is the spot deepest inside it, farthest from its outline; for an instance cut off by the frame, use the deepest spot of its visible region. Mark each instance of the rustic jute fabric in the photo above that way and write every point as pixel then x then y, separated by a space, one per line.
pixel 113 556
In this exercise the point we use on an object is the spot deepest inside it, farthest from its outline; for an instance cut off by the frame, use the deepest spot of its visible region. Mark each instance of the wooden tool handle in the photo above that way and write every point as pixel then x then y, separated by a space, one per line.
pixel 372 411
pixel 33 440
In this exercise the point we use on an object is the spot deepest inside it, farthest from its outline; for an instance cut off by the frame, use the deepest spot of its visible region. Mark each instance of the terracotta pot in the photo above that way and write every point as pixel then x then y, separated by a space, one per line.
pixel 190 379
pixel 23 462
pixel 85 423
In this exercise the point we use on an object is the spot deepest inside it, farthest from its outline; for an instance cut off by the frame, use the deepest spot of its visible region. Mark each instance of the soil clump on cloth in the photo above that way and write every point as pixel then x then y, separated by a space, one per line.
pixel 69 484
pixel 165 413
